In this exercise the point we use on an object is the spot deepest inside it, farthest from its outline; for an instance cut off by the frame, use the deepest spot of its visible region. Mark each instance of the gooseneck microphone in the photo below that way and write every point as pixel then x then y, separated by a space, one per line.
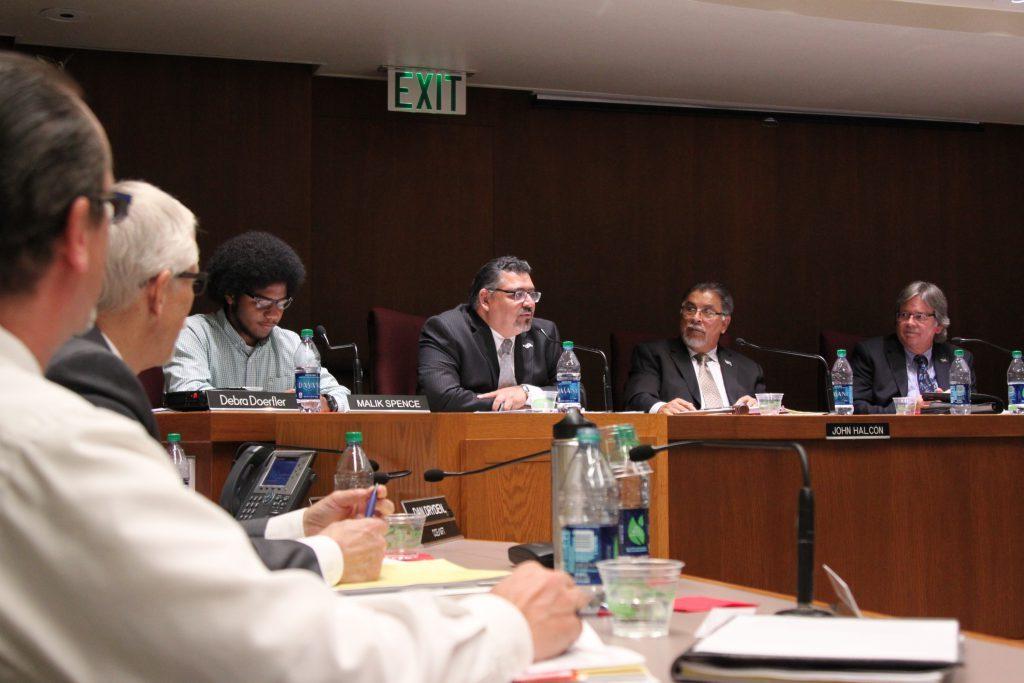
pixel 804 516
pixel 435 475
pixel 357 368
pixel 606 383
pixel 970 340
pixel 829 399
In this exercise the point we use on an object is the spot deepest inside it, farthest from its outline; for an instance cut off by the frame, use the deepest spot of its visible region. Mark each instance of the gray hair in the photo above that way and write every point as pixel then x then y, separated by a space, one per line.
pixel 158 234
pixel 490 274
pixel 931 295
pixel 53 152
pixel 716 287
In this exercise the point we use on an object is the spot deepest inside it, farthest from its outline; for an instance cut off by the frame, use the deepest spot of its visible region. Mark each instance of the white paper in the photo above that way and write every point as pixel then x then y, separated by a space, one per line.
pixel 588 652
pixel 784 637
pixel 718 616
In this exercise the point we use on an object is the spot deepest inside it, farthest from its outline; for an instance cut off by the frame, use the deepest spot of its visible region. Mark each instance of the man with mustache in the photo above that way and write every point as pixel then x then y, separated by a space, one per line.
pixel 693 372
pixel 490 353
pixel 913 361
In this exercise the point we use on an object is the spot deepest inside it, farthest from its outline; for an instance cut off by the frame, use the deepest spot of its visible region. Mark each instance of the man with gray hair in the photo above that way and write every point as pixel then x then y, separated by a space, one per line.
pixel 913 361
pixel 151 279
pixel 490 353
pixel 692 371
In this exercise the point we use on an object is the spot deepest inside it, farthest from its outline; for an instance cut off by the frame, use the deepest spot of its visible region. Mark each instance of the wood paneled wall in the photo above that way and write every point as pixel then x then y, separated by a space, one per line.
pixel 813 222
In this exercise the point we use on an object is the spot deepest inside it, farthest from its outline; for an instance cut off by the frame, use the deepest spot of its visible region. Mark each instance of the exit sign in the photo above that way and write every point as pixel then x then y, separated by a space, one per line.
pixel 426 91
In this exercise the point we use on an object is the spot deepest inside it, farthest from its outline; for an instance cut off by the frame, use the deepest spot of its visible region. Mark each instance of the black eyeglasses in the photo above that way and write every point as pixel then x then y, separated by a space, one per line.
pixel 904 316
pixel 690 311
pixel 519 295
pixel 198 280
pixel 262 303
pixel 119 203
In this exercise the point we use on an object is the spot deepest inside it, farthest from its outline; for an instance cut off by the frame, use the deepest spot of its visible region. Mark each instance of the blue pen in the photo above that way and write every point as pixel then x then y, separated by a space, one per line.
pixel 371 504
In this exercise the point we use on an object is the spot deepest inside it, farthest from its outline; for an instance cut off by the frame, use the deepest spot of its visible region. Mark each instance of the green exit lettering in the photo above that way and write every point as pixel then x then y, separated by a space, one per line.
pixel 427 88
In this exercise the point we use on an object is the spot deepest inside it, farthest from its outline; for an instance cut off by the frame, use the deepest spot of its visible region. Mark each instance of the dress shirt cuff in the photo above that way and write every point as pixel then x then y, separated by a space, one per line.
pixel 287 526
pixel 507 629
pixel 533 393
pixel 656 407
pixel 328 556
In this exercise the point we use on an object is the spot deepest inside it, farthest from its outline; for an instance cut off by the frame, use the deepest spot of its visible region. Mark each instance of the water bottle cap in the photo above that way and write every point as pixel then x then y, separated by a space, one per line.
pixel 353 437
pixel 588 435
pixel 567 345
pixel 306 333
pixel 628 430
pixel 1016 354
pixel 959 353
pixel 840 353
pixel 173 437
pixel 568 426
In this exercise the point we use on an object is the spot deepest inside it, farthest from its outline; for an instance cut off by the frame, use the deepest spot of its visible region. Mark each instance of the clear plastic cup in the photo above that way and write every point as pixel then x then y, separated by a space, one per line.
pixel 404 536
pixel 769 404
pixel 905 405
pixel 640 594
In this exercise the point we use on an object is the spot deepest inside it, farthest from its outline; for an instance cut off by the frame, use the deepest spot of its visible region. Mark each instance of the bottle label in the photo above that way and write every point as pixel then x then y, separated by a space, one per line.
pixel 568 391
pixel 1015 394
pixel 307 385
pixel 634 531
pixel 843 394
pixel 583 545
pixel 959 394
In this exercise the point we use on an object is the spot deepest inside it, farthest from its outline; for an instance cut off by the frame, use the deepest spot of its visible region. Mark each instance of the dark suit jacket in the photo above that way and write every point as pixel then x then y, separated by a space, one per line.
pixel 880 372
pixel 457 359
pixel 88 367
pixel 662 371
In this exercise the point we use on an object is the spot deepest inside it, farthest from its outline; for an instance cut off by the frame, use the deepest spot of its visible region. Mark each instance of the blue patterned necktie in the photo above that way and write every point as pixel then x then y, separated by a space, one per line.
pixel 924 381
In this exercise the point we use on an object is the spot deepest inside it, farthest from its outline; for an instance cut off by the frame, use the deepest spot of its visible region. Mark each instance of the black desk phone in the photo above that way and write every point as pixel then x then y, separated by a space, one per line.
pixel 265 481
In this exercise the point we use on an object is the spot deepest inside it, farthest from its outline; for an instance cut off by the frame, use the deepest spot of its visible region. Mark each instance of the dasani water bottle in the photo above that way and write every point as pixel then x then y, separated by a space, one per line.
pixel 307 374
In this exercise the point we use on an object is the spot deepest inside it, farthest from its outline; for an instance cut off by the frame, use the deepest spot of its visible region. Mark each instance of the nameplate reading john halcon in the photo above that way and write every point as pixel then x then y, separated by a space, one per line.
pixel 231 399
pixel 440 524
pixel 857 430
pixel 407 404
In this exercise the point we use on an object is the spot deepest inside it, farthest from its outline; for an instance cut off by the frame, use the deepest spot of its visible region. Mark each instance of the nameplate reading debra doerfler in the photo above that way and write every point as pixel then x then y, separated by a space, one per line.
pixel 857 430
pixel 234 399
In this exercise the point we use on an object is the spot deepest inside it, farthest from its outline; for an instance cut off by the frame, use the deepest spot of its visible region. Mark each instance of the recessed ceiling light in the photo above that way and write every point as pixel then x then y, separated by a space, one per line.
pixel 63 14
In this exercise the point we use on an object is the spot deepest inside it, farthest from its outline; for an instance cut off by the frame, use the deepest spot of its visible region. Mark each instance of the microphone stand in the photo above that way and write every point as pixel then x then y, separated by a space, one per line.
pixel 969 340
pixel 804 519
pixel 357 369
pixel 606 383
pixel 829 399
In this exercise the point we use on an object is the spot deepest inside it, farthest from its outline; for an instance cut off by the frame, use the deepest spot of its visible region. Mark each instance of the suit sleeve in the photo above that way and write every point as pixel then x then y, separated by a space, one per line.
pixel 438 372
pixel 864 382
pixel 644 384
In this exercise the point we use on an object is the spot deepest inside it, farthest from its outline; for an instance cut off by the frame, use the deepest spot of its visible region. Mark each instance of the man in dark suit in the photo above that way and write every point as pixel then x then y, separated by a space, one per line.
pixel 913 361
pixel 136 328
pixel 692 372
pixel 490 353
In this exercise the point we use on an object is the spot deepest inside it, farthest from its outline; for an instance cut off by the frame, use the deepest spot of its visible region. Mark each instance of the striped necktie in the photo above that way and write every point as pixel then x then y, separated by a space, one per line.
pixel 709 396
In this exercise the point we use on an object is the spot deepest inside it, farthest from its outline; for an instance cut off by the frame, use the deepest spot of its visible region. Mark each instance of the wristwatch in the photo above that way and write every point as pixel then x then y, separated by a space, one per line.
pixel 332 403
pixel 526 390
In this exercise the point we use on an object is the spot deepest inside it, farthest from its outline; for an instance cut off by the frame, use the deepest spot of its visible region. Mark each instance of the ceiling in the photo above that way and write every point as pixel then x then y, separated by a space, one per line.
pixel 959 60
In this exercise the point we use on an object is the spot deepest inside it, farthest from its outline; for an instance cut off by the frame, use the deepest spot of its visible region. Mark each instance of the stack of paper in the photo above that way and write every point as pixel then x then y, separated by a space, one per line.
pixel 424 573
pixel 781 648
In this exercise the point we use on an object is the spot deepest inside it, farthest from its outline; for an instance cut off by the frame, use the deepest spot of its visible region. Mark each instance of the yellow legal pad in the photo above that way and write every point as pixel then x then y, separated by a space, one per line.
pixel 428 573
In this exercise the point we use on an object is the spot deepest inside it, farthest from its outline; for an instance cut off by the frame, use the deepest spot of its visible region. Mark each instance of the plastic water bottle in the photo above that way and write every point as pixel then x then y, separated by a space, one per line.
pixel 588 513
pixel 1015 385
pixel 354 470
pixel 567 373
pixel 959 385
pixel 634 480
pixel 178 458
pixel 842 384
pixel 307 374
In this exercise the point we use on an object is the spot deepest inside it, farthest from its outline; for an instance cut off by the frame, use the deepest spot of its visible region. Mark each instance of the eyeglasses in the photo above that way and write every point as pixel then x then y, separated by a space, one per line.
pixel 262 303
pixel 519 295
pixel 691 311
pixel 119 203
pixel 904 316
pixel 198 281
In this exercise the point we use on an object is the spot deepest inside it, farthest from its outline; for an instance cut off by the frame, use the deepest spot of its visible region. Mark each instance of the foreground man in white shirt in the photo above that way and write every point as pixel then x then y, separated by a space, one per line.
pixel 112 570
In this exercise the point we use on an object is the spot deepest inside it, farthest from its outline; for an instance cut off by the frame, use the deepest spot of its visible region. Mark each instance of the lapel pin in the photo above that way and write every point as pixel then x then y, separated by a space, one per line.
pixel 528 345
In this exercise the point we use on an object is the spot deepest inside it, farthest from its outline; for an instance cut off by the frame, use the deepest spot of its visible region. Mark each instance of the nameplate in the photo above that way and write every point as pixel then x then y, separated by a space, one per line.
pixel 405 404
pixel 857 430
pixel 240 399
pixel 440 524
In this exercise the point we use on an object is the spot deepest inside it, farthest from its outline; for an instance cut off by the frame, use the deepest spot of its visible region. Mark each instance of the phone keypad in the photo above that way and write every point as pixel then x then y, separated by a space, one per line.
pixel 268 504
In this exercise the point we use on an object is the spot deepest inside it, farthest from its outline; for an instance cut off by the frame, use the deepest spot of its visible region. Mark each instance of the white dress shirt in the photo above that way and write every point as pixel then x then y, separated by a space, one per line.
pixel 714 368
pixel 113 571
pixel 532 393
